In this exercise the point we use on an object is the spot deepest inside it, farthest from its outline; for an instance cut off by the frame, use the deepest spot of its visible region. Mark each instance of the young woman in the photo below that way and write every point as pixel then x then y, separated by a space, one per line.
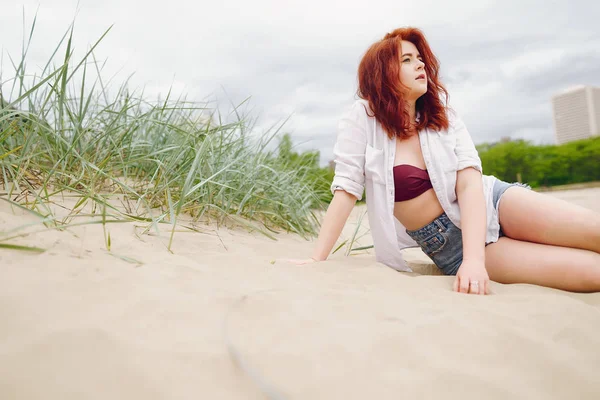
pixel 424 186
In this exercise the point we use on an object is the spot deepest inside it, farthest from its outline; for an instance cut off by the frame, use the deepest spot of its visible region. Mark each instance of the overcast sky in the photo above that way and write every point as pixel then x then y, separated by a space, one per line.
pixel 500 60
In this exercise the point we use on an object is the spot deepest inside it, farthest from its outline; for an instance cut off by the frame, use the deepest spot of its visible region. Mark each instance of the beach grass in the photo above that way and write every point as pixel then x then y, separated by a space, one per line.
pixel 67 131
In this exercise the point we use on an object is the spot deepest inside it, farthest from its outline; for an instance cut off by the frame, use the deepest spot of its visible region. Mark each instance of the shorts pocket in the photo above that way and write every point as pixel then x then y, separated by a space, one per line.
pixel 434 244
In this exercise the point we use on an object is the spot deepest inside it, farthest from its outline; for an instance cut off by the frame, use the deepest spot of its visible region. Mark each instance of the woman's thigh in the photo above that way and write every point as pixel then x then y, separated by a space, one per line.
pixel 514 261
pixel 540 218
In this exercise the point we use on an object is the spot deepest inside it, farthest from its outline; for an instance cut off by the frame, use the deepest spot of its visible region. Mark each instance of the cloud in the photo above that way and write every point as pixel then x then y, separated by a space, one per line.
pixel 571 69
pixel 501 61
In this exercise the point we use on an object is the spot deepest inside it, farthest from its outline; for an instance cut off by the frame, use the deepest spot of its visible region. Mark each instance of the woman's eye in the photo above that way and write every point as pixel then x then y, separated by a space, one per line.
pixel 406 59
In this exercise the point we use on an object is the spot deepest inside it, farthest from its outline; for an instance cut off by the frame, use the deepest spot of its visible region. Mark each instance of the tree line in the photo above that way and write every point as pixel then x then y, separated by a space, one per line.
pixel 511 161
pixel 542 165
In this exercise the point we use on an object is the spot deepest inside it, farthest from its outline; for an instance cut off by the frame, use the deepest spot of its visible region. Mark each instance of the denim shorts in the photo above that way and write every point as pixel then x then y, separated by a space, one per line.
pixel 441 240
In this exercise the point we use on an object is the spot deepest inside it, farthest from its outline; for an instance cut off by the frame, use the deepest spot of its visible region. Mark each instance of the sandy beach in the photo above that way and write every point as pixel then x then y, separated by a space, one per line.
pixel 140 322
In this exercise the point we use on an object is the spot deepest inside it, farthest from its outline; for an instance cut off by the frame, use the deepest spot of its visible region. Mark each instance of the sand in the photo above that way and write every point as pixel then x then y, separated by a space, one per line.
pixel 140 322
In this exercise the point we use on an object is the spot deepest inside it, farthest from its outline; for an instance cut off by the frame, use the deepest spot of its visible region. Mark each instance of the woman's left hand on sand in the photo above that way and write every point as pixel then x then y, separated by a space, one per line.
pixel 472 278
pixel 299 261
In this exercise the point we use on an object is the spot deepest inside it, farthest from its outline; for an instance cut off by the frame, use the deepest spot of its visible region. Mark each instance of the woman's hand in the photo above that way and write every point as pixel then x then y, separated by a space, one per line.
pixel 472 277
pixel 301 261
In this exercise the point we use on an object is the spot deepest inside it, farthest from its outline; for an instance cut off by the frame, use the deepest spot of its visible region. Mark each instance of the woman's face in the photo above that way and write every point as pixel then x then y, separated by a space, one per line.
pixel 412 71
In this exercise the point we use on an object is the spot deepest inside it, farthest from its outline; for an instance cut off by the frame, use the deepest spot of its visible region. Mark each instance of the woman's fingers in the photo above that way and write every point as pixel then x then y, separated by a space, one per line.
pixel 467 285
pixel 456 284
pixel 464 285
pixel 483 288
pixel 474 287
pixel 298 261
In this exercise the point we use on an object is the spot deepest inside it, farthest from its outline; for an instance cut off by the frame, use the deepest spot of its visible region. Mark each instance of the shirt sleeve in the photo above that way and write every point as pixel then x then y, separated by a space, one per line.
pixel 349 152
pixel 465 148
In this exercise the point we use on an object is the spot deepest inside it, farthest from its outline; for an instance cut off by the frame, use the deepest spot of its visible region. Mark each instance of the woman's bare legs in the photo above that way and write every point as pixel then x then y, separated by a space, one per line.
pixel 540 218
pixel 549 242
pixel 515 261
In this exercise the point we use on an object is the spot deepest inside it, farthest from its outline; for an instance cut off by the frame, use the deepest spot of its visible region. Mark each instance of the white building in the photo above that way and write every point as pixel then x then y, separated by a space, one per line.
pixel 576 114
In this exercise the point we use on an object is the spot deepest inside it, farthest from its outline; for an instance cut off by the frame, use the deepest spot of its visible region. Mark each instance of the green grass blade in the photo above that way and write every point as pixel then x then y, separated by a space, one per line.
pixel 21 248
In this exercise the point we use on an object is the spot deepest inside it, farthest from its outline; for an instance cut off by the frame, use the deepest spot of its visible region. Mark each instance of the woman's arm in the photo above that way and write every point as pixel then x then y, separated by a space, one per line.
pixel 337 213
pixel 348 182
pixel 469 191
pixel 471 201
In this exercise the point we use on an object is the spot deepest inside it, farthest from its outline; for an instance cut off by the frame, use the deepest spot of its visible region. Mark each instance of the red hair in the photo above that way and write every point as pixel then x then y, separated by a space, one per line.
pixel 379 84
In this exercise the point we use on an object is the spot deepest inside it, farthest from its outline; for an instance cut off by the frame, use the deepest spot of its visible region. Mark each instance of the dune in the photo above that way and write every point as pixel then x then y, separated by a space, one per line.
pixel 222 317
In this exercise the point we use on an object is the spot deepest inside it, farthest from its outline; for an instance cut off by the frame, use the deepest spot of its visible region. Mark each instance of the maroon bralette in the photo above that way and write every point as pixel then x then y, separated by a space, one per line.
pixel 410 182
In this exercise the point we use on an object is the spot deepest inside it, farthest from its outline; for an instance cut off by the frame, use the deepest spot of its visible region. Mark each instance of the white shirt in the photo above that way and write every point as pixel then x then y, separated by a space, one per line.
pixel 364 160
